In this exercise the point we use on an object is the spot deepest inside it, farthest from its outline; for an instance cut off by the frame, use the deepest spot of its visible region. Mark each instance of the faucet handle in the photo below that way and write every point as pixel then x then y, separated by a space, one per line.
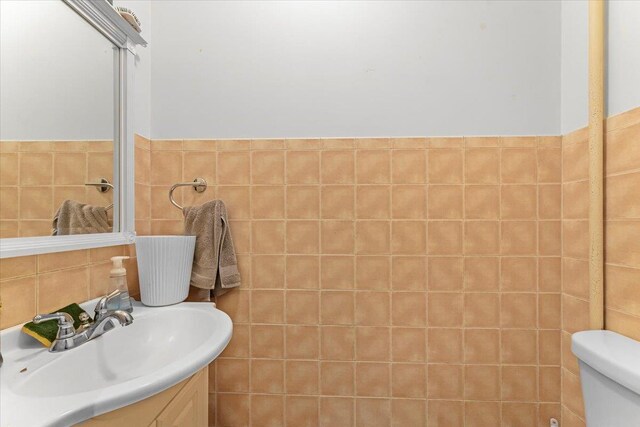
pixel 65 323
pixel 102 302
pixel 101 306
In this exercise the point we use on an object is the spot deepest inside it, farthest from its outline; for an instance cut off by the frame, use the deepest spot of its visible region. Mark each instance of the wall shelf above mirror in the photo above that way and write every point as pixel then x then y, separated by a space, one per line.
pixel 66 97
pixel 107 20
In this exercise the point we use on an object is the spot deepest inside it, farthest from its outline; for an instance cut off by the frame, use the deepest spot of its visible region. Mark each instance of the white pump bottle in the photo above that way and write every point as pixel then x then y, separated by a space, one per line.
pixel 118 281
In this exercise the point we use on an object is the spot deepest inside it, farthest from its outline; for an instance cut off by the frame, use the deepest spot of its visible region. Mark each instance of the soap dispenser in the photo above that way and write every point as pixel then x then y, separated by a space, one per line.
pixel 118 281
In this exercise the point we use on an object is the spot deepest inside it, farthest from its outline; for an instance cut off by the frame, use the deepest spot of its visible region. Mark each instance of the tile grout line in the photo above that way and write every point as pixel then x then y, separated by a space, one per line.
pixel 500 294
pixel 390 293
pixel 538 302
pixel 354 364
pixel 319 304
pixel 464 296
pixel 426 285
pixel 286 284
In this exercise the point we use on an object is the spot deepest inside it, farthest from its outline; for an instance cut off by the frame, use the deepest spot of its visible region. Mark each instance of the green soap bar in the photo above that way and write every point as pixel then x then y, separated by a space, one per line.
pixel 46 332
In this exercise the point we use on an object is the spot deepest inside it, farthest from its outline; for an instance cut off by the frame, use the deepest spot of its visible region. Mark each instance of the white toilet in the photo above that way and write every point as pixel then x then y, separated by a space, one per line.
pixel 610 376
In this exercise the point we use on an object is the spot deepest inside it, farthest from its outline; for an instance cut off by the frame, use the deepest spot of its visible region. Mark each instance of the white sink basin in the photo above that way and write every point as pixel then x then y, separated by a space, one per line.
pixel 162 347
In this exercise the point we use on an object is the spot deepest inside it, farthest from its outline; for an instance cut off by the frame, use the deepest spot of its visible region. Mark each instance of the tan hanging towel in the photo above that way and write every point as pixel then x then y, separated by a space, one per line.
pixel 78 218
pixel 215 268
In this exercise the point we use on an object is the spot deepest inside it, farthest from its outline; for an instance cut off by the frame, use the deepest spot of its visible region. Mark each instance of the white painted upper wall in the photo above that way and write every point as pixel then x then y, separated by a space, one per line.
pixel 274 69
pixel 329 69
pixel 574 66
pixel 622 54
pixel 56 74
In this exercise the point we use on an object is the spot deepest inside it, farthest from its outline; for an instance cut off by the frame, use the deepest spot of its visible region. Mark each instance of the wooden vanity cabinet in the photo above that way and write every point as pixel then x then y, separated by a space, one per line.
pixel 183 405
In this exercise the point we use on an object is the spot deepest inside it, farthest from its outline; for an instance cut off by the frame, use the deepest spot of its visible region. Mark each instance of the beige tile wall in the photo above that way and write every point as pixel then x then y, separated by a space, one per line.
pixel 622 227
pixel 43 283
pixel 622 245
pixel 37 176
pixel 142 181
pixel 39 284
pixel 344 319
pixel 385 281
pixel 575 267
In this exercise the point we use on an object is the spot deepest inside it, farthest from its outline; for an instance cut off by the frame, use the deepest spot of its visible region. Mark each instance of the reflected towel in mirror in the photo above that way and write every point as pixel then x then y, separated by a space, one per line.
pixel 78 218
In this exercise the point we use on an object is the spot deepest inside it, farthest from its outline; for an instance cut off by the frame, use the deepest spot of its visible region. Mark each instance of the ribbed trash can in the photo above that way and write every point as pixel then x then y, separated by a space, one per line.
pixel 164 268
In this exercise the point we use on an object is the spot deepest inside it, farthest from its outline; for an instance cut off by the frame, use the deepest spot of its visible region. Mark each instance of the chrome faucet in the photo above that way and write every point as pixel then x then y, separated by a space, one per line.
pixel 114 299
pixel 105 320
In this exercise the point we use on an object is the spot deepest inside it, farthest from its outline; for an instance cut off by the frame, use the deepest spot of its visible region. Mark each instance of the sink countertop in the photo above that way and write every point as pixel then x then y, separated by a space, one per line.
pixel 163 346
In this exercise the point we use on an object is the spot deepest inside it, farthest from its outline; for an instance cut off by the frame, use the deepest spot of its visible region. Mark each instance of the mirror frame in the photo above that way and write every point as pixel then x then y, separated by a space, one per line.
pixel 105 19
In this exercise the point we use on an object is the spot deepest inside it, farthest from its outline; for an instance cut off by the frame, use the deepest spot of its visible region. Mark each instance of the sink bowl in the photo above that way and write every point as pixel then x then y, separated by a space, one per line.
pixel 162 347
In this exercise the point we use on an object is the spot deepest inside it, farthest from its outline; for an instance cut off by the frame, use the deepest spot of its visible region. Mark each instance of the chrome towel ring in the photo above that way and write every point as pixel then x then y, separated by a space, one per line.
pixel 198 184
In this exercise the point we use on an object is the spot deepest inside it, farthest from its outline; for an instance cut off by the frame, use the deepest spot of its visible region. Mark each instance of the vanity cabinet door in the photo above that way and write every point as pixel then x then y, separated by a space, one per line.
pixel 189 407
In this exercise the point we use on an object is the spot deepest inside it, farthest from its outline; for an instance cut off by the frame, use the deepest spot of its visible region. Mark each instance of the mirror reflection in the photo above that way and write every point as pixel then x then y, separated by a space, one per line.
pixel 57 122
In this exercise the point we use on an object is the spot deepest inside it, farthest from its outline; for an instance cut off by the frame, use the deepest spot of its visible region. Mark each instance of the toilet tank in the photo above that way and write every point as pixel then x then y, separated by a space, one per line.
pixel 610 377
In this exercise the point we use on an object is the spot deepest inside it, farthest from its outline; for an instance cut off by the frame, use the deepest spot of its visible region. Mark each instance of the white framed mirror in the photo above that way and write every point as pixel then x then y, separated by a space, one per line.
pixel 66 126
